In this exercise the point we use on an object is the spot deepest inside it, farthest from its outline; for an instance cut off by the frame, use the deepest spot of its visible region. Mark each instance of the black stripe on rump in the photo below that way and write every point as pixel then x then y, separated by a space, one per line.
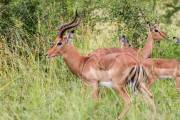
pixel 136 75
pixel 131 75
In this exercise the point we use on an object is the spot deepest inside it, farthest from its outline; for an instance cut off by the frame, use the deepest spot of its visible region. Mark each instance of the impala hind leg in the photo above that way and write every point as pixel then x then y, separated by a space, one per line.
pixel 150 81
pixel 149 97
pixel 122 92
pixel 151 78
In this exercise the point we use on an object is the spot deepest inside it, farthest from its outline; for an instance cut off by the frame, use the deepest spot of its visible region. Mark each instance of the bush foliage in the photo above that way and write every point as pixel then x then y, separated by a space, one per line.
pixel 35 88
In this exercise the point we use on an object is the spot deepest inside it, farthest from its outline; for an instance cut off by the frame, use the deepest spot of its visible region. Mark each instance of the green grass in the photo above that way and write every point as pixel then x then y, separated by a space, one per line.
pixel 35 88
pixel 58 95
pixel 42 89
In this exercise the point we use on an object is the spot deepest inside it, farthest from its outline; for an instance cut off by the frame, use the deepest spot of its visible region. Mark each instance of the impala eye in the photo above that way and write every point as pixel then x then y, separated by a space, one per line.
pixel 59 43
pixel 156 30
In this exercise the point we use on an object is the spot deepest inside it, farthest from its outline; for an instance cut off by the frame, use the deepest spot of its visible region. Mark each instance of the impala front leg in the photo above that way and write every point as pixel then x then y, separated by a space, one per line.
pixel 95 92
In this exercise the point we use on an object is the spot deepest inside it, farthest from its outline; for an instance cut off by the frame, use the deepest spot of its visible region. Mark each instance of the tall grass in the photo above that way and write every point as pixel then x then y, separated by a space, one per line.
pixel 43 89
pixel 33 87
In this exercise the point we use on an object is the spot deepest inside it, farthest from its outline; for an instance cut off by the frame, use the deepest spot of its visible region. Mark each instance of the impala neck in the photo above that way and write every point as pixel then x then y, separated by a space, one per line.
pixel 150 42
pixel 147 50
pixel 73 59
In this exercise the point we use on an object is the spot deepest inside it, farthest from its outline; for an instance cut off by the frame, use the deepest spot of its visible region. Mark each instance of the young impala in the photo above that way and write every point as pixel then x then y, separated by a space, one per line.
pixel 114 70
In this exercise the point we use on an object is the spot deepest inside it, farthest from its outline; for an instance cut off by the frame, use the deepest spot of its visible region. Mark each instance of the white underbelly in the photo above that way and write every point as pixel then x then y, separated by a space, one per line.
pixel 165 77
pixel 106 84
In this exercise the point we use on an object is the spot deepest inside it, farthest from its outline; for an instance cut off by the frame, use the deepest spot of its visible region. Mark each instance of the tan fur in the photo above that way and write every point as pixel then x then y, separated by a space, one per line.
pixel 104 65
pixel 162 68
pixel 116 68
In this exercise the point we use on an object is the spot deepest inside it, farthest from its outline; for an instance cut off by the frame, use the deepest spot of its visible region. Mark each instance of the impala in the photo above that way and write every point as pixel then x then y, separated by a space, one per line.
pixel 163 68
pixel 177 40
pixel 160 68
pixel 154 34
pixel 124 42
pixel 114 70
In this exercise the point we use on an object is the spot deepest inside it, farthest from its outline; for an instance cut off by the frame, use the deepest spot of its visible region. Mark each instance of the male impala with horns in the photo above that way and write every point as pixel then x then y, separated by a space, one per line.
pixel 115 70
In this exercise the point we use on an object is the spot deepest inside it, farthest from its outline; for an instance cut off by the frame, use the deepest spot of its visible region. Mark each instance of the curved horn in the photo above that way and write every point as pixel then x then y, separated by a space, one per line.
pixel 72 25
pixel 66 24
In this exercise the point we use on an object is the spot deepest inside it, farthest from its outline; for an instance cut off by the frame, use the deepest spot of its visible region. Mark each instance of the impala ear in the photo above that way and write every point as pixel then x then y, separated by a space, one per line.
pixel 69 36
pixel 149 26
